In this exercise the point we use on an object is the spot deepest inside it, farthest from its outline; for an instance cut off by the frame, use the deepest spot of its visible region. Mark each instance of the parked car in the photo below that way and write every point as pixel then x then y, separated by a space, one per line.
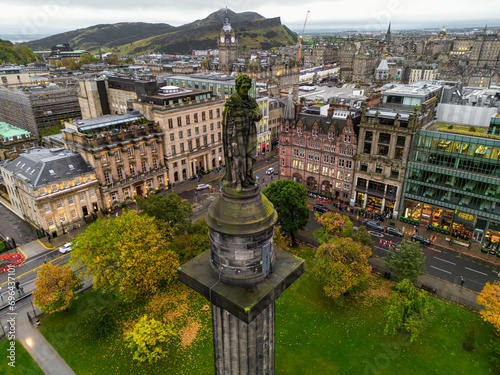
pixel 374 225
pixel 394 231
pixel 66 248
pixel 423 240
pixel 270 170
pixel 320 208
pixel 202 186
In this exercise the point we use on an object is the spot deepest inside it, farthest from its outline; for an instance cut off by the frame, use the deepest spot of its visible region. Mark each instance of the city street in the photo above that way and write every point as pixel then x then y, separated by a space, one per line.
pixel 13 227
pixel 440 262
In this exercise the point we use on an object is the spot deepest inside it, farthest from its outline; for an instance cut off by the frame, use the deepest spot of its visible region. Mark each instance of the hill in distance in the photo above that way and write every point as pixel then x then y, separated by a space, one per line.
pixel 9 53
pixel 253 31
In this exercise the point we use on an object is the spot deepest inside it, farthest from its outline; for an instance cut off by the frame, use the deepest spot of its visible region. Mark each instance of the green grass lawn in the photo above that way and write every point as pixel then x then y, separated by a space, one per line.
pixel 24 364
pixel 313 336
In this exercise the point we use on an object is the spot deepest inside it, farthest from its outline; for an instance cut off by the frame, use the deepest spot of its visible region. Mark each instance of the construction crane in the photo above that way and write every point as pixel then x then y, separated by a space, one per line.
pixel 302 37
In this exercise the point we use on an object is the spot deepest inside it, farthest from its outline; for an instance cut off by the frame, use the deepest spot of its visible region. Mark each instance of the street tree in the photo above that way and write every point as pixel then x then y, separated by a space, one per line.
pixel 128 254
pixel 407 310
pixel 55 287
pixel 289 200
pixel 490 299
pixel 150 339
pixel 364 237
pixel 342 267
pixel 170 209
pixel 333 225
pixel 406 261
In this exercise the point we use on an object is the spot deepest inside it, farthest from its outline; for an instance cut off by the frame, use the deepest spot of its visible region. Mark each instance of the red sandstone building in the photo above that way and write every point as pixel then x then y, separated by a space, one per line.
pixel 317 148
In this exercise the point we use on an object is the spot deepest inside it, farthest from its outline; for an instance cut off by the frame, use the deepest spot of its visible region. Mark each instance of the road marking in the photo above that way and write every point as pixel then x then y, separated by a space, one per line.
pixel 376 234
pixel 443 260
pixel 381 248
pixel 470 269
pixel 48 248
pixel 441 269
pixel 22 252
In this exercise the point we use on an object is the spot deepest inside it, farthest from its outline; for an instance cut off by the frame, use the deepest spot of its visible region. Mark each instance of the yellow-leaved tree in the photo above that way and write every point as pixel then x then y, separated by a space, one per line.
pixel 128 254
pixel 490 299
pixel 55 287
pixel 149 340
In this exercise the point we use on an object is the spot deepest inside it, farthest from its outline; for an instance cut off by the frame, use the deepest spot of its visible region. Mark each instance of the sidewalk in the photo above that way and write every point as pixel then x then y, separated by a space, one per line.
pixel 31 338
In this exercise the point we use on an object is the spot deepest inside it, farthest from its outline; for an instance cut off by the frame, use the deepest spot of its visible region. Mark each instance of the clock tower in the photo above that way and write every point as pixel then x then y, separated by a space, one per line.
pixel 228 46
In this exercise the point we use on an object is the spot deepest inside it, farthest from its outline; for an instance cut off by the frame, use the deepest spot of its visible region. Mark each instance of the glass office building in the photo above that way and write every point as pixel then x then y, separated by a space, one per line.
pixel 453 182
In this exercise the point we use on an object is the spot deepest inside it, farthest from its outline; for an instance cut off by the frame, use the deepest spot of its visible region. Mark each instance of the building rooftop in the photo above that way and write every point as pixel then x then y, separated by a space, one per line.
pixel 40 166
pixel 104 121
pixel 215 77
pixel 416 89
pixel 10 131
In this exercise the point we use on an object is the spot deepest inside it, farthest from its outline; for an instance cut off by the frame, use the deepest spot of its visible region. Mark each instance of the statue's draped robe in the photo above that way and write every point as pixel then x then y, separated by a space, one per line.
pixel 240 139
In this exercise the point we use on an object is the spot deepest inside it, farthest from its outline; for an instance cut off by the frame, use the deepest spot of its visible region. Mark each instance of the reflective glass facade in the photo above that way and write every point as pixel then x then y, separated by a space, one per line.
pixel 453 181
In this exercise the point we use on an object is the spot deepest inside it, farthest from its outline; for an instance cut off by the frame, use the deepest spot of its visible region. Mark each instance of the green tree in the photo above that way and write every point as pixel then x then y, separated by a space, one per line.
pixel 149 340
pixel 342 267
pixel 490 299
pixel 364 237
pixel 55 287
pixel 333 225
pixel 407 310
pixel 406 261
pixel 170 209
pixel 192 243
pixel 128 254
pixel 289 200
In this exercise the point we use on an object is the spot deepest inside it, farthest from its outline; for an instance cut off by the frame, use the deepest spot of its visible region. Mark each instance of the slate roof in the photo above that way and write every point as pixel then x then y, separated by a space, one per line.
pixel 324 123
pixel 40 166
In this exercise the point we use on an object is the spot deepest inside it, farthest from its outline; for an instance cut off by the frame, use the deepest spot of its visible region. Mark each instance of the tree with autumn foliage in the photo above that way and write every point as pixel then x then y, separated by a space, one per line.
pixel 342 267
pixel 289 200
pixel 150 339
pixel 333 225
pixel 55 287
pixel 490 299
pixel 128 254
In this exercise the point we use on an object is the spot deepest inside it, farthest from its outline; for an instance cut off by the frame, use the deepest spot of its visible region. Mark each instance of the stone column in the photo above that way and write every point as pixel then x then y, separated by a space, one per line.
pixel 243 348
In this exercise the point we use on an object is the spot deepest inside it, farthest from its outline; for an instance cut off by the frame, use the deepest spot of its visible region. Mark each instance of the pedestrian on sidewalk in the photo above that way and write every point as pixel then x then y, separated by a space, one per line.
pixel 433 238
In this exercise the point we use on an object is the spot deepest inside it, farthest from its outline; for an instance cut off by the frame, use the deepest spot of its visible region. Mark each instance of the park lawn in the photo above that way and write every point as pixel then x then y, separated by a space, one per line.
pixel 67 332
pixel 316 336
pixel 313 336
pixel 24 364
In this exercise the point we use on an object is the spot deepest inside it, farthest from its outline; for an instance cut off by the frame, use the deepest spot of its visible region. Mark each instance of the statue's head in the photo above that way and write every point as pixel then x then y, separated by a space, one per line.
pixel 243 84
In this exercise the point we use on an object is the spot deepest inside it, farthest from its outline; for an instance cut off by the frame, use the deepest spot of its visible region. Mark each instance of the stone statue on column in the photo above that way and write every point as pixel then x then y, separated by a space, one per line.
pixel 241 111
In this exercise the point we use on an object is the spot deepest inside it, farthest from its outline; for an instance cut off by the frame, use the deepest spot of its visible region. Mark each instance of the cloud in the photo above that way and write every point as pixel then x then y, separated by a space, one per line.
pixel 49 16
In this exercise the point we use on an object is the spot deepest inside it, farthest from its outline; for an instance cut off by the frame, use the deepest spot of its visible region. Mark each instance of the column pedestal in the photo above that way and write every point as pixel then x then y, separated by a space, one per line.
pixel 243 348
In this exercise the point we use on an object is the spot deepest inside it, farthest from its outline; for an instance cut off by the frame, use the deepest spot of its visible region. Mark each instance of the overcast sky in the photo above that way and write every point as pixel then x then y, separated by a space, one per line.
pixel 54 16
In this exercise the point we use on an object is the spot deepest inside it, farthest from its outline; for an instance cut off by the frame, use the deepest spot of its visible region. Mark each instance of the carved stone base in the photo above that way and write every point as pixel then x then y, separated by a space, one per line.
pixel 243 348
